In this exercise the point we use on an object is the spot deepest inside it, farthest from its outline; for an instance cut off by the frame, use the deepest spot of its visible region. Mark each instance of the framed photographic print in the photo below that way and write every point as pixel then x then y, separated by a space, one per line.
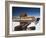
pixel 24 18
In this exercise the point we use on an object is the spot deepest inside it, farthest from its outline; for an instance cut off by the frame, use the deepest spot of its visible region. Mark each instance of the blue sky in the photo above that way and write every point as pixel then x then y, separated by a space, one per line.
pixel 16 11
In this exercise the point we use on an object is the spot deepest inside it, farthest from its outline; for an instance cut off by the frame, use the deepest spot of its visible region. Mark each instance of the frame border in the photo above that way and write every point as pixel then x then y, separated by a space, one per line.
pixel 7 18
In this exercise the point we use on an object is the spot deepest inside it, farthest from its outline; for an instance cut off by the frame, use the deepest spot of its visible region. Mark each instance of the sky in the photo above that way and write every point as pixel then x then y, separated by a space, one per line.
pixel 16 11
